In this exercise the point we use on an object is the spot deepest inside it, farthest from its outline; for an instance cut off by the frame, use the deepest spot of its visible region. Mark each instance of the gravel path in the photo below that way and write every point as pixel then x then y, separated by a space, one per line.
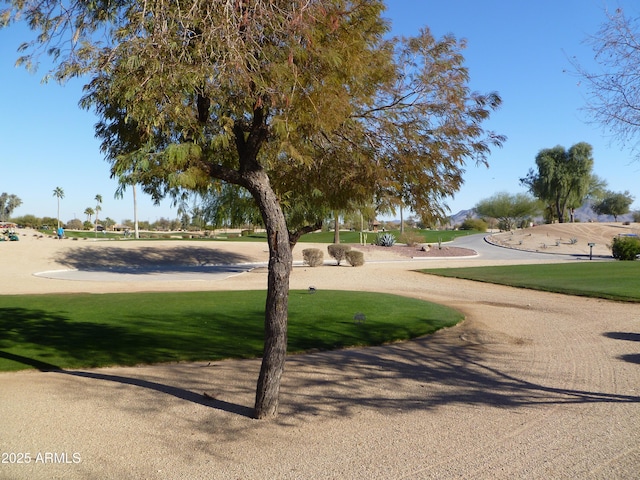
pixel 531 385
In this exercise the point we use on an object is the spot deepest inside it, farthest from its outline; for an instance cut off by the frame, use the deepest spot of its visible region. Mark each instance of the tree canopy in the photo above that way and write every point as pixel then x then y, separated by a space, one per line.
pixel 614 203
pixel 563 178
pixel 301 103
pixel 508 209
pixel 8 203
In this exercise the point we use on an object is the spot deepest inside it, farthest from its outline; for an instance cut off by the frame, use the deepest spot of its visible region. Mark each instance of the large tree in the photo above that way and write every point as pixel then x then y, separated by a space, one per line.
pixel 563 178
pixel 614 203
pixel 292 100
pixel 8 203
pixel 508 209
pixel 613 87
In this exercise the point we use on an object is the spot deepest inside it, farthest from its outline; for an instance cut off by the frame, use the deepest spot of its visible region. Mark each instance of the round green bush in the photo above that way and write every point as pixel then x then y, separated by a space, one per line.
pixel 474 224
pixel 625 248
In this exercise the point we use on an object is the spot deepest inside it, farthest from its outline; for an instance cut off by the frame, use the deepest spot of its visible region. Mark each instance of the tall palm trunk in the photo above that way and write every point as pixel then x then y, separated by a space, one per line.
pixel 136 230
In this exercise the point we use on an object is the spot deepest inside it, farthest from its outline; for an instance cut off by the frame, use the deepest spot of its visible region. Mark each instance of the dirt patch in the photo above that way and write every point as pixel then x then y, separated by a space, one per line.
pixel 565 238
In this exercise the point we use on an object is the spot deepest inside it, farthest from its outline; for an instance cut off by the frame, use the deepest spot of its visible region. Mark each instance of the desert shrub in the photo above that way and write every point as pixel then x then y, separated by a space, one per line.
pixel 636 216
pixel 338 251
pixel 625 248
pixel 411 238
pixel 504 225
pixel 385 240
pixel 75 224
pixel 474 224
pixel 313 256
pixel 355 258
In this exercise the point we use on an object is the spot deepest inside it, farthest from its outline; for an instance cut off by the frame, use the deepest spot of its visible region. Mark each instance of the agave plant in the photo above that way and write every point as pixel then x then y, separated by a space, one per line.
pixel 386 240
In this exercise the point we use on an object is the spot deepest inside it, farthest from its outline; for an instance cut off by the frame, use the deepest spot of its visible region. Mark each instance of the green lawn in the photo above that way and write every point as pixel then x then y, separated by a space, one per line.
pixel 84 330
pixel 429 236
pixel 609 280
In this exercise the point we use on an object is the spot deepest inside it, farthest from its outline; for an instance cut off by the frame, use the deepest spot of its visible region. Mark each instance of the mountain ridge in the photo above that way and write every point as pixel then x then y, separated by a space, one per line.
pixel 583 214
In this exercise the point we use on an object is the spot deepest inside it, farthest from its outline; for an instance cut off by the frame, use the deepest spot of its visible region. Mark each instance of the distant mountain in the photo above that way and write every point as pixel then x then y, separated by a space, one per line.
pixel 582 214
pixel 462 215
pixel 586 214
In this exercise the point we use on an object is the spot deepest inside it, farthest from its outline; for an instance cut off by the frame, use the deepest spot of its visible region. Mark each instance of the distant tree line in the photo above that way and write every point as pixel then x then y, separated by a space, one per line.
pixel 33 221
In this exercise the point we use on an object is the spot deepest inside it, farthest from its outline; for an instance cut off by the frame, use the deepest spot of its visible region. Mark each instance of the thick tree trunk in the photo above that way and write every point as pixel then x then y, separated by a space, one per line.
pixel 336 227
pixel 276 313
pixel 560 211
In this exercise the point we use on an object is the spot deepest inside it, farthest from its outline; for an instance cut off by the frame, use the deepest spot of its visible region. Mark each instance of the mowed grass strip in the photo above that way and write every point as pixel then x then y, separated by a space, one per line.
pixel 428 236
pixel 83 330
pixel 609 280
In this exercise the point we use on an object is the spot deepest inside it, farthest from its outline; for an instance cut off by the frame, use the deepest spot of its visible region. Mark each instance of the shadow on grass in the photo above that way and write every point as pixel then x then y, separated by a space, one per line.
pixel 112 258
pixel 49 334
pixel 95 344
pixel 454 367
pixel 32 362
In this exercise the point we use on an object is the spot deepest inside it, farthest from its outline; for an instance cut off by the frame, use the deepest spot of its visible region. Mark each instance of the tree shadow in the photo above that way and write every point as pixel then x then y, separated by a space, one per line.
pixel 177 392
pixel 629 336
pixel 422 374
pixel 631 358
pixel 32 362
pixel 181 393
pixel 88 344
pixel 456 366
pixel 113 258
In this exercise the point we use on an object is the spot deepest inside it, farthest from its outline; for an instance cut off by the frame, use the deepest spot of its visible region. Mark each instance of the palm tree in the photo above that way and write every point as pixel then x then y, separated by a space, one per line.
pixel 123 181
pixel 58 192
pixel 136 230
pixel 120 193
pixel 89 213
pixel 98 200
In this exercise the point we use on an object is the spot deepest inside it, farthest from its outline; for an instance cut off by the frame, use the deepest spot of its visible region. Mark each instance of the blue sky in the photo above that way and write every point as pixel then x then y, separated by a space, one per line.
pixel 517 48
